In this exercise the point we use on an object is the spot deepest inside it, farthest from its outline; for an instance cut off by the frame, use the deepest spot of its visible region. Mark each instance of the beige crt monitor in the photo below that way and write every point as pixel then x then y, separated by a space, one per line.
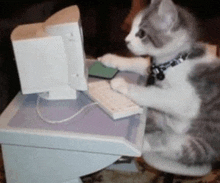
pixel 50 56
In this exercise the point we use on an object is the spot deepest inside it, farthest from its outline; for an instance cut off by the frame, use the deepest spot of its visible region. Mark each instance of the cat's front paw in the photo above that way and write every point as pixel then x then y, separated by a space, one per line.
pixel 120 85
pixel 110 60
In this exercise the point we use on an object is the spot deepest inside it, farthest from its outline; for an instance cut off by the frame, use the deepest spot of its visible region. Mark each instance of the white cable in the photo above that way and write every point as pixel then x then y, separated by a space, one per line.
pixel 63 120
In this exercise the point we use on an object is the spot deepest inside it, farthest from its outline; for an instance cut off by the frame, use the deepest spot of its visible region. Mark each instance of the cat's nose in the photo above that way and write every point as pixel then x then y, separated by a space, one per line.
pixel 127 42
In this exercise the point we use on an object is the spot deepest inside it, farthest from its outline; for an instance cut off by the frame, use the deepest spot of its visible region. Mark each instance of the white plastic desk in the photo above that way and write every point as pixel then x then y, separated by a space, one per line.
pixel 38 152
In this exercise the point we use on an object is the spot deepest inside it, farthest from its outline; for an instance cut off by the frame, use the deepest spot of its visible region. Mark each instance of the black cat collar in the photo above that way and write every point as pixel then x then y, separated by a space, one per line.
pixel 157 71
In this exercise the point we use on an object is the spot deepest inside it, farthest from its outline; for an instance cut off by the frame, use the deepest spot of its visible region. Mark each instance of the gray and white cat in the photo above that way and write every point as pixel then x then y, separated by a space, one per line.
pixel 184 104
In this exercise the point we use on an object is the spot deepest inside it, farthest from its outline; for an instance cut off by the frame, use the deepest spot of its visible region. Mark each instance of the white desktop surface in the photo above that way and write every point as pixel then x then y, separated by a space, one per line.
pixel 35 151
pixel 91 131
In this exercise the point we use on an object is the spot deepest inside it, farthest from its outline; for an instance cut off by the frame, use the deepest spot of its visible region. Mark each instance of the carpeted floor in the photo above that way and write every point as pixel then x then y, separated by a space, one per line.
pixel 2 170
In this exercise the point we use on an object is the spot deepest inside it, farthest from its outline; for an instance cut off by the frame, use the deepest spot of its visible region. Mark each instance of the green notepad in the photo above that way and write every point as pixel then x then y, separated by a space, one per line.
pixel 100 71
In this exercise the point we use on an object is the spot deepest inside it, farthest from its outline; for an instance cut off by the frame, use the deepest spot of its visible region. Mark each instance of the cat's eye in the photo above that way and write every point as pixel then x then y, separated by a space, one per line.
pixel 141 34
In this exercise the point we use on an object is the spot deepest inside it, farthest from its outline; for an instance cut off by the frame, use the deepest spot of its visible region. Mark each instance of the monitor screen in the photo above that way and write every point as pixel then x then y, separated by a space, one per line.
pixel 50 56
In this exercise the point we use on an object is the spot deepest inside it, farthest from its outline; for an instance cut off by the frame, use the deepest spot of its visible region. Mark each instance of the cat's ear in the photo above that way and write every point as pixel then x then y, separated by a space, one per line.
pixel 168 14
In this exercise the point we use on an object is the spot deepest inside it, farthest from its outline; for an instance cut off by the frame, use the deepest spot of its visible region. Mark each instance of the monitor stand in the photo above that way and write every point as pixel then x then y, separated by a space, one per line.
pixel 59 93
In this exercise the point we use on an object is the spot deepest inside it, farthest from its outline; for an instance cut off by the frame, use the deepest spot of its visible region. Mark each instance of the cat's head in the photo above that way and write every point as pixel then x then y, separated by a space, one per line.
pixel 161 28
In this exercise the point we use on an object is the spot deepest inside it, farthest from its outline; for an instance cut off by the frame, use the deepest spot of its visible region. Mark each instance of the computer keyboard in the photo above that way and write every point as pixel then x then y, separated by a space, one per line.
pixel 113 103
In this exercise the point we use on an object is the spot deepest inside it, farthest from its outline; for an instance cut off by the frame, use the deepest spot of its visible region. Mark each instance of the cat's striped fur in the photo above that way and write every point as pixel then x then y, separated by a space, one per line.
pixel 183 109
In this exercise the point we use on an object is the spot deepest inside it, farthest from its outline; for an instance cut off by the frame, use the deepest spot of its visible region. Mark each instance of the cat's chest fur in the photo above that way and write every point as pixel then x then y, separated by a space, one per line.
pixel 176 76
pixel 184 95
